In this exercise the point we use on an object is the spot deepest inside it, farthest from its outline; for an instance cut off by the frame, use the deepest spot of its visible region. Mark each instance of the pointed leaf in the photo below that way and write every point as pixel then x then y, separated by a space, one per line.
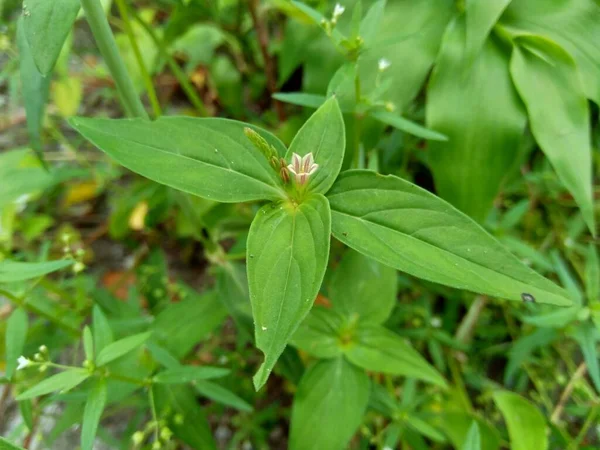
pixel 484 136
pixel 371 24
pixel 47 25
pixel 61 382
pixel 481 16
pixel 526 424
pixel 211 158
pixel 377 349
pixel 592 274
pixel 288 249
pixel 407 126
pixel 323 135
pixel 92 413
pixel 549 83
pixel 301 99
pixel 473 441
pixel 88 343
pixel 101 331
pixel 412 230
pixel 11 271
pixel 363 286
pixel 120 348
pixel 329 405
pixel 221 395
pixel 188 374
pixel 6 445
pixel 16 333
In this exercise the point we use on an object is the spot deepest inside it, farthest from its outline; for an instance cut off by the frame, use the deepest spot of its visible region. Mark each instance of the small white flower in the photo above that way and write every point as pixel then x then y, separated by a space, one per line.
pixel 22 362
pixel 302 167
pixel 383 64
pixel 337 12
pixel 264 328
pixel 436 322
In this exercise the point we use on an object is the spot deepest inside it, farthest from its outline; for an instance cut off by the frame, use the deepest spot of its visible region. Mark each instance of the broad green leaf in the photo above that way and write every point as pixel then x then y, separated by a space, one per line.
pixel 371 24
pixel 549 83
pixel 88 343
pixel 407 126
pixel 203 314
pixel 484 136
pixel 320 333
pixel 573 24
pixel 11 271
pixel 221 395
pixel 377 349
pixel 94 405
pixel 61 382
pixel 211 158
pixel 181 401
pixel 526 424
pixel 35 89
pixel 362 286
pixel 188 374
pixel 342 86
pixel 412 230
pixel 101 331
pixel 288 249
pixel 328 406
pixel 473 441
pixel 481 16
pixel 47 25
pixel 6 445
pixel 16 333
pixel 322 135
pixel 410 31
pixel 21 175
pixel 301 99
pixel 120 348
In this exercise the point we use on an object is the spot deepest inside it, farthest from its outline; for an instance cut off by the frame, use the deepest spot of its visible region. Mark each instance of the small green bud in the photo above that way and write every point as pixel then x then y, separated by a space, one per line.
pixel 43 349
pixel 178 419
pixel 137 438
pixel 157 445
pixel 165 434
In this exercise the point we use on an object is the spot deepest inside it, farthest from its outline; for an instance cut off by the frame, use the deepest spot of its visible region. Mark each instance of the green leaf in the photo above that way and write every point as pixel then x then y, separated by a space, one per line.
pixel 101 331
pixel 21 175
pixel 484 136
pixel 329 405
pixel 62 382
pixel 35 89
pixel 288 249
pixel 526 424
pixel 473 441
pixel 363 286
pixel 92 413
pixel 550 85
pixel 371 24
pixel 6 445
pixel 342 86
pixel 11 271
pixel 587 335
pixel 181 401
pixel 189 374
pixel 407 126
pixel 47 25
pixel 412 230
pixel 377 349
pixel 457 425
pixel 211 158
pixel 592 274
pixel 16 333
pixel 88 343
pixel 481 16
pixel 323 135
pixel 301 99
pixel 221 395
pixel 319 333
pixel 120 348
pixel 573 24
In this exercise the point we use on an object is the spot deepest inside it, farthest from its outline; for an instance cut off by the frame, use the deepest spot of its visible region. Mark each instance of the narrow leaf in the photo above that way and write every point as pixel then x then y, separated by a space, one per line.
pixel 221 395
pixel 301 99
pixel 211 158
pixel 16 333
pixel 92 413
pixel 329 405
pixel 526 424
pixel 379 350
pixel 412 230
pixel 11 271
pixel 371 24
pixel 47 25
pixel 61 382
pixel 6 445
pixel 322 135
pixel 473 441
pixel 188 374
pixel 120 348
pixel 102 333
pixel 288 249
pixel 549 83
pixel 88 343
pixel 407 126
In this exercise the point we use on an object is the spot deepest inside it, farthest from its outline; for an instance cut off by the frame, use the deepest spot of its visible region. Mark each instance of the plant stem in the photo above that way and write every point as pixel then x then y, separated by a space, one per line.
pixel 182 78
pixel 140 60
pixel 263 40
pixel 153 409
pixel 466 328
pixel 580 372
pixel 585 428
pixel 108 48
